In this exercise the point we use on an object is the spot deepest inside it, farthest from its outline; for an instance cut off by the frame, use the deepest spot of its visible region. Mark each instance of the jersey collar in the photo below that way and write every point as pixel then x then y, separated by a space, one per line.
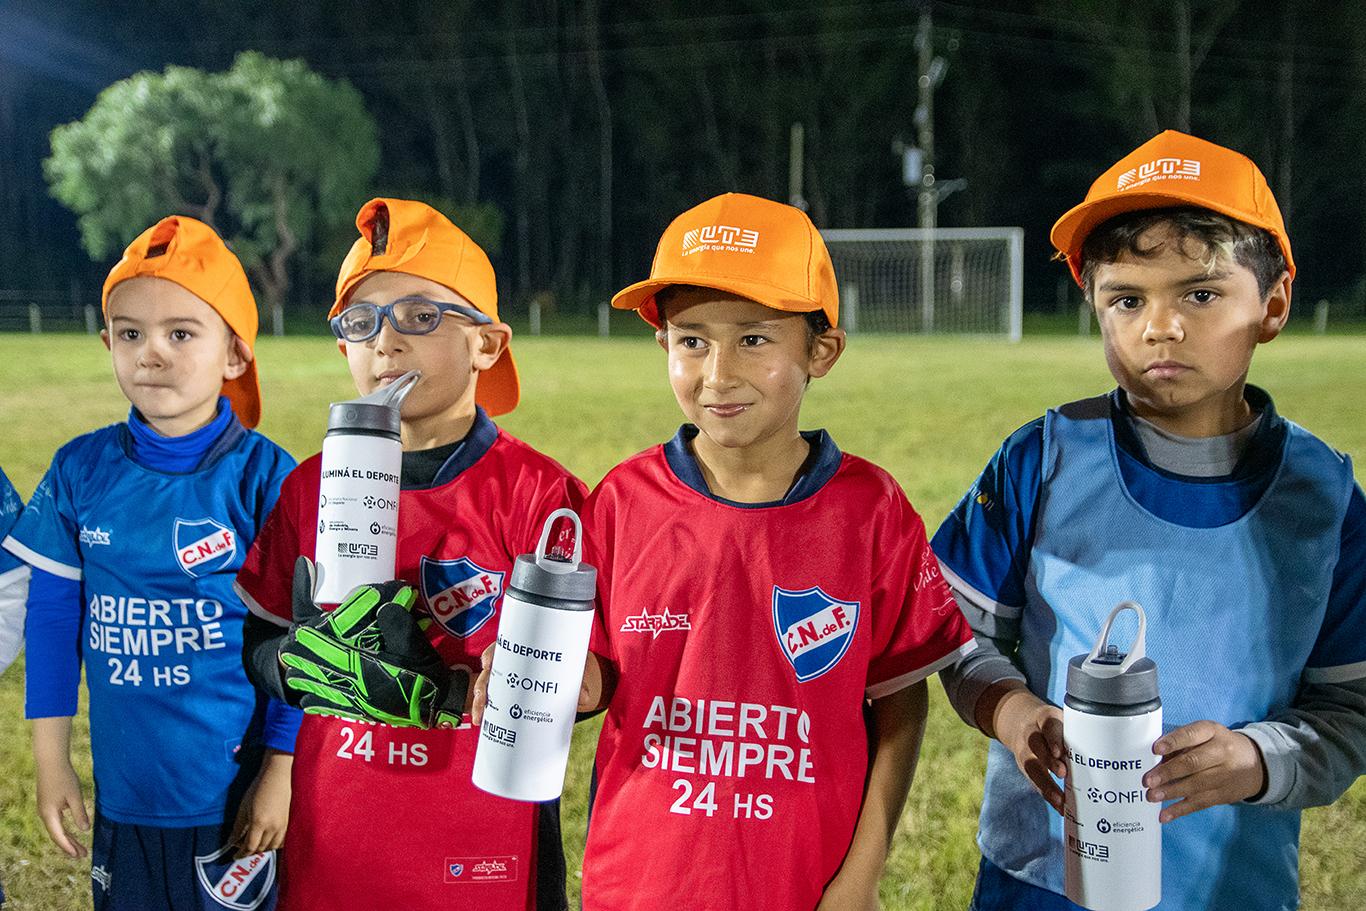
pixel 483 433
pixel 187 454
pixel 820 466
pixel 1263 451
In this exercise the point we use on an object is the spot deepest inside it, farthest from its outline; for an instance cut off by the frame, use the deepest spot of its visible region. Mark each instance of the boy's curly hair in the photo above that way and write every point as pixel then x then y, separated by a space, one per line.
pixel 1216 238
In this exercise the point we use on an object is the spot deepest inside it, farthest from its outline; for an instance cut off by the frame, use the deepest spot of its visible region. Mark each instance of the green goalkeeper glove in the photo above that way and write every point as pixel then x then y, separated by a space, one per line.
pixel 368 659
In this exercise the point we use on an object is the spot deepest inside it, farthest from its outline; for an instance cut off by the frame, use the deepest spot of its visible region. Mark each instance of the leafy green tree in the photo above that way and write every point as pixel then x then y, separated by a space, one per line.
pixel 268 152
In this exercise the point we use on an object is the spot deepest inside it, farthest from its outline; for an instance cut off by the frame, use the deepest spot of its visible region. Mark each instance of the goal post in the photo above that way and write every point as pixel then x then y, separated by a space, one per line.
pixel 945 280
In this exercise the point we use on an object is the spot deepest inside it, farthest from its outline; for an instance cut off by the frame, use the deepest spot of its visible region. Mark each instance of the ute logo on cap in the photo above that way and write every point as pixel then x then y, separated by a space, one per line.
pixel 720 237
pixel 814 629
pixel 1160 169
pixel 460 594
pixel 203 546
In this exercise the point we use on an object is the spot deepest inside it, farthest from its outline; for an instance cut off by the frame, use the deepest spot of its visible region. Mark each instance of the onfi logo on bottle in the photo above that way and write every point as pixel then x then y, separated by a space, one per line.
pixel 1096 795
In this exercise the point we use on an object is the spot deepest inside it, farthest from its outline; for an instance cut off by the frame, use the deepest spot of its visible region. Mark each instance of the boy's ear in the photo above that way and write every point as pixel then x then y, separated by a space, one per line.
pixel 1276 309
pixel 494 339
pixel 826 348
pixel 239 356
pixel 104 337
pixel 341 347
pixel 662 336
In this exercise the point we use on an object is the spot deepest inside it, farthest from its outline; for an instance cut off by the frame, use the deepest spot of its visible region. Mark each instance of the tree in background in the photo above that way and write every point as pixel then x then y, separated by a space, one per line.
pixel 268 152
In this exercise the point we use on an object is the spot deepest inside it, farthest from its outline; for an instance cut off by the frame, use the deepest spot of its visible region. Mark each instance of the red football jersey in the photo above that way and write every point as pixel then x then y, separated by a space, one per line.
pixel 387 817
pixel 746 640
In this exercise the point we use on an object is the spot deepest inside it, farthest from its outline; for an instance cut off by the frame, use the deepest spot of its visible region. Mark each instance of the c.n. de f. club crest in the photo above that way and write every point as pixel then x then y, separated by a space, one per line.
pixel 240 884
pixel 203 546
pixel 814 630
pixel 460 594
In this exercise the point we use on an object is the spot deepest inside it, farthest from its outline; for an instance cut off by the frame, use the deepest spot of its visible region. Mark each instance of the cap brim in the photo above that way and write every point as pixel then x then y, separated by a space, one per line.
pixel 1071 230
pixel 244 393
pixel 499 388
pixel 640 297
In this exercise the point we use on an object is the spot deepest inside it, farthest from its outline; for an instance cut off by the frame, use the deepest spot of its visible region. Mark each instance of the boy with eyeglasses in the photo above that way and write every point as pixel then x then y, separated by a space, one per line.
pixel 386 816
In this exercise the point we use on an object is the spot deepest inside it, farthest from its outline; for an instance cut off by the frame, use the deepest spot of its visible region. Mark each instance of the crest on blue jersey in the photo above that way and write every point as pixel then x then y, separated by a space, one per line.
pixel 461 595
pixel 203 546
pixel 814 630
pixel 241 884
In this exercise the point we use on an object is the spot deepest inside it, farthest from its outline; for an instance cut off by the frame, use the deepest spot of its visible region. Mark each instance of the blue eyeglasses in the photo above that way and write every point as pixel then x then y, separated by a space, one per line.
pixel 409 315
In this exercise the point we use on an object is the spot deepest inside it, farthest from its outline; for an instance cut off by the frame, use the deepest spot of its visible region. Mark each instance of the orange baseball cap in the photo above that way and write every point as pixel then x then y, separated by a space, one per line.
pixel 188 252
pixel 401 235
pixel 751 247
pixel 1174 169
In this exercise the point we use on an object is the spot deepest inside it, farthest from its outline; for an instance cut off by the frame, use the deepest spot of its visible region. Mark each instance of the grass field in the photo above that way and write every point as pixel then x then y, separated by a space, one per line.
pixel 930 411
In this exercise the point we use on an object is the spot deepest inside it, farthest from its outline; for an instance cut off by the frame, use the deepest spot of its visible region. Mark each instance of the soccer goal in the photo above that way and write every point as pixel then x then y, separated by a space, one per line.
pixel 949 280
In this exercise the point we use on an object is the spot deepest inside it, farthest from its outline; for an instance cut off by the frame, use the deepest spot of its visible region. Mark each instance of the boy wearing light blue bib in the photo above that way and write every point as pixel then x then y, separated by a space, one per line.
pixel 1241 534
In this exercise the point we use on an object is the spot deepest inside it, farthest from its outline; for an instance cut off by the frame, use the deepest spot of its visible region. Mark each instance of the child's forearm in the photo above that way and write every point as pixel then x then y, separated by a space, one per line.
pixel 52 741
pixel 898 728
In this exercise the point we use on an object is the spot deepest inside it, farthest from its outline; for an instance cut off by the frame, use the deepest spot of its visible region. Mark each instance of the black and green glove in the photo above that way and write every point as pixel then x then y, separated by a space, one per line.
pixel 368 659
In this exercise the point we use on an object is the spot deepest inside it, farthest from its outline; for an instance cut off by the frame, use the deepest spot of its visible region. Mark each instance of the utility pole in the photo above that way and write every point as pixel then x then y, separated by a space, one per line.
pixel 930 71
pixel 796 166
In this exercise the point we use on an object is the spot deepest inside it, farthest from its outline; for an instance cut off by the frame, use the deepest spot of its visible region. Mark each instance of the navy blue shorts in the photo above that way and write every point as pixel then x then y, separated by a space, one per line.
pixel 997 890
pixel 134 868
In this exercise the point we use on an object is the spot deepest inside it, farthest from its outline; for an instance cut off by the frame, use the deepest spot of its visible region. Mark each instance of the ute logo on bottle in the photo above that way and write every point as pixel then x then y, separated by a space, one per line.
pixel 460 594
pixel 814 629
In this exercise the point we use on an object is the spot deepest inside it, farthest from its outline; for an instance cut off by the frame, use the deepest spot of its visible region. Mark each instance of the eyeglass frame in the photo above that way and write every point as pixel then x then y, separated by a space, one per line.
pixel 386 312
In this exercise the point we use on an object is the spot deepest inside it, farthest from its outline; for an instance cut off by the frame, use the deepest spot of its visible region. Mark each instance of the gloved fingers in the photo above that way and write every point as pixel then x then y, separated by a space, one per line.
pixel 326 649
pixel 355 612
pixel 297 665
pixel 313 691
pixel 404 643
pixel 305 584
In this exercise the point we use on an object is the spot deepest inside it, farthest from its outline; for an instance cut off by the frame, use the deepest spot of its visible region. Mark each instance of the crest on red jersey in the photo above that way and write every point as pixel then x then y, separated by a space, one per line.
pixel 241 884
pixel 460 594
pixel 813 629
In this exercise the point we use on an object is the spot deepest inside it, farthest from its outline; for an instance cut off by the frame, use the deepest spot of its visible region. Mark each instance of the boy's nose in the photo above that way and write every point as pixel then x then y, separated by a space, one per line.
pixel 151 356
pixel 720 372
pixel 388 339
pixel 1164 325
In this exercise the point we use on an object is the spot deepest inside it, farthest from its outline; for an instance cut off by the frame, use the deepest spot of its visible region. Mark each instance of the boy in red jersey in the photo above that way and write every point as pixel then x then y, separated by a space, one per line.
pixel 770 608
pixel 386 817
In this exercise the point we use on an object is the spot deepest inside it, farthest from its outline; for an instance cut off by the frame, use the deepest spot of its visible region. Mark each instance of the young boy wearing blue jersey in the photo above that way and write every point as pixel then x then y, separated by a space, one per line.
pixel 14 575
pixel 1241 534
pixel 769 605
pixel 134 536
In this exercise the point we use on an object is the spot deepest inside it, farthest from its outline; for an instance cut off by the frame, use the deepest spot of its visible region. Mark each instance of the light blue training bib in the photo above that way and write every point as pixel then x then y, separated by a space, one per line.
pixel 1233 614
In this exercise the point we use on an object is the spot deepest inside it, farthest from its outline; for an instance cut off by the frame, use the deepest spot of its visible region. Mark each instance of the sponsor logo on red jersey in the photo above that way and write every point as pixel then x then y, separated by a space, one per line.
pixel 203 546
pixel 241 884
pixel 481 869
pixel 654 624
pixel 460 594
pixel 813 629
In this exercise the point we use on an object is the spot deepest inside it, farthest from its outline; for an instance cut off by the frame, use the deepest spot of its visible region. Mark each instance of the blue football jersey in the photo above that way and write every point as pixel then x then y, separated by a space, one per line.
pixel 10 507
pixel 161 630
pixel 13 579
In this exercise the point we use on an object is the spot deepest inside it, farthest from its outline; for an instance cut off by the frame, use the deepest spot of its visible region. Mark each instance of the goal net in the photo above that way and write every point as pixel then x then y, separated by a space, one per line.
pixel 949 280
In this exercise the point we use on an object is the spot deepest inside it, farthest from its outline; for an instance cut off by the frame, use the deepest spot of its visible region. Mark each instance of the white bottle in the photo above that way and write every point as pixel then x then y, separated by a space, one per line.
pixel 362 456
pixel 1111 716
pixel 533 694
